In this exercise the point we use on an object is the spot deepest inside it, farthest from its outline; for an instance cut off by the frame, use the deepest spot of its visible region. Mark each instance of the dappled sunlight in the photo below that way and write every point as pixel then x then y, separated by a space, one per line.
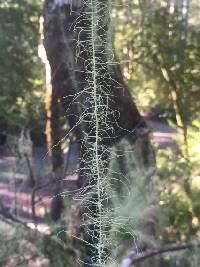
pixel 100 133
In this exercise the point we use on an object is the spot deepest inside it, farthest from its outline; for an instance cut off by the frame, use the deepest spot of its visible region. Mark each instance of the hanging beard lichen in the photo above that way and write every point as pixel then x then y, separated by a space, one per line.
pixel 105 120
pixel 100 142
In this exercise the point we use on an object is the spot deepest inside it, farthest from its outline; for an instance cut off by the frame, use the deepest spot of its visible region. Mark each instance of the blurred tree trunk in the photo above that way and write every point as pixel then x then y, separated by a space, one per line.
pixel 69 79
pixel 53 130
pixel 53 135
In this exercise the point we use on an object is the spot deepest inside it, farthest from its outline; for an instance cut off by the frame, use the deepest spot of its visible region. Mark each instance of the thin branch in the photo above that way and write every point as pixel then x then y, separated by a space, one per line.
pixel 135 258
pixel 4 212
pixel 11 219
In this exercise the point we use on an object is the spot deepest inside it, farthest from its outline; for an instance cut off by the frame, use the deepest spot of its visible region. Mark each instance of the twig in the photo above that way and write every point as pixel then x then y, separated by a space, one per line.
pixel 10 218
pixel 31 172
pixel 4 212
pixel 135 258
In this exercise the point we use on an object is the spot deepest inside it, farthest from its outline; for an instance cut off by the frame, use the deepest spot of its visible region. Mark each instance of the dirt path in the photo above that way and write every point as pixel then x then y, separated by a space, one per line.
pixel 16 196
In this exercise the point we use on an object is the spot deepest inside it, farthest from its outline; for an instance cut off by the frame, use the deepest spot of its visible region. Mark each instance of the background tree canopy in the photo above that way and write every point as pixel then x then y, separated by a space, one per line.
pixel 21 73
pixel 159 44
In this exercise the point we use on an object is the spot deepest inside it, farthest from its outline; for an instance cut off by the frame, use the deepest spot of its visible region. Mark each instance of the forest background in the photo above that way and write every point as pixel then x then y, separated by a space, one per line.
pixel 157 45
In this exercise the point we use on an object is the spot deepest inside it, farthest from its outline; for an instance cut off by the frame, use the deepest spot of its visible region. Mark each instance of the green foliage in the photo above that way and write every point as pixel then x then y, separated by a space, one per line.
pixel 24 247
pixel 152 40
pixel 179 210
pixel 19 247
pixel 188 258
pixel 180 191
pixel 58 257
pixel 159 51
pixel 134 223
pixel 20 72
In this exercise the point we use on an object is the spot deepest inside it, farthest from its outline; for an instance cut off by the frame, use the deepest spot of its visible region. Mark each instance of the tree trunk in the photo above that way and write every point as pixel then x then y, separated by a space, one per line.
pixel 52 131
pixel 68 70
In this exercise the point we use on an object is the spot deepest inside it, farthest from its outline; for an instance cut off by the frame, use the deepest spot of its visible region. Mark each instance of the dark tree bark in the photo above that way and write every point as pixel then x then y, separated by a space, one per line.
pixel 53 128
pixel 68 71
pixel 53 135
